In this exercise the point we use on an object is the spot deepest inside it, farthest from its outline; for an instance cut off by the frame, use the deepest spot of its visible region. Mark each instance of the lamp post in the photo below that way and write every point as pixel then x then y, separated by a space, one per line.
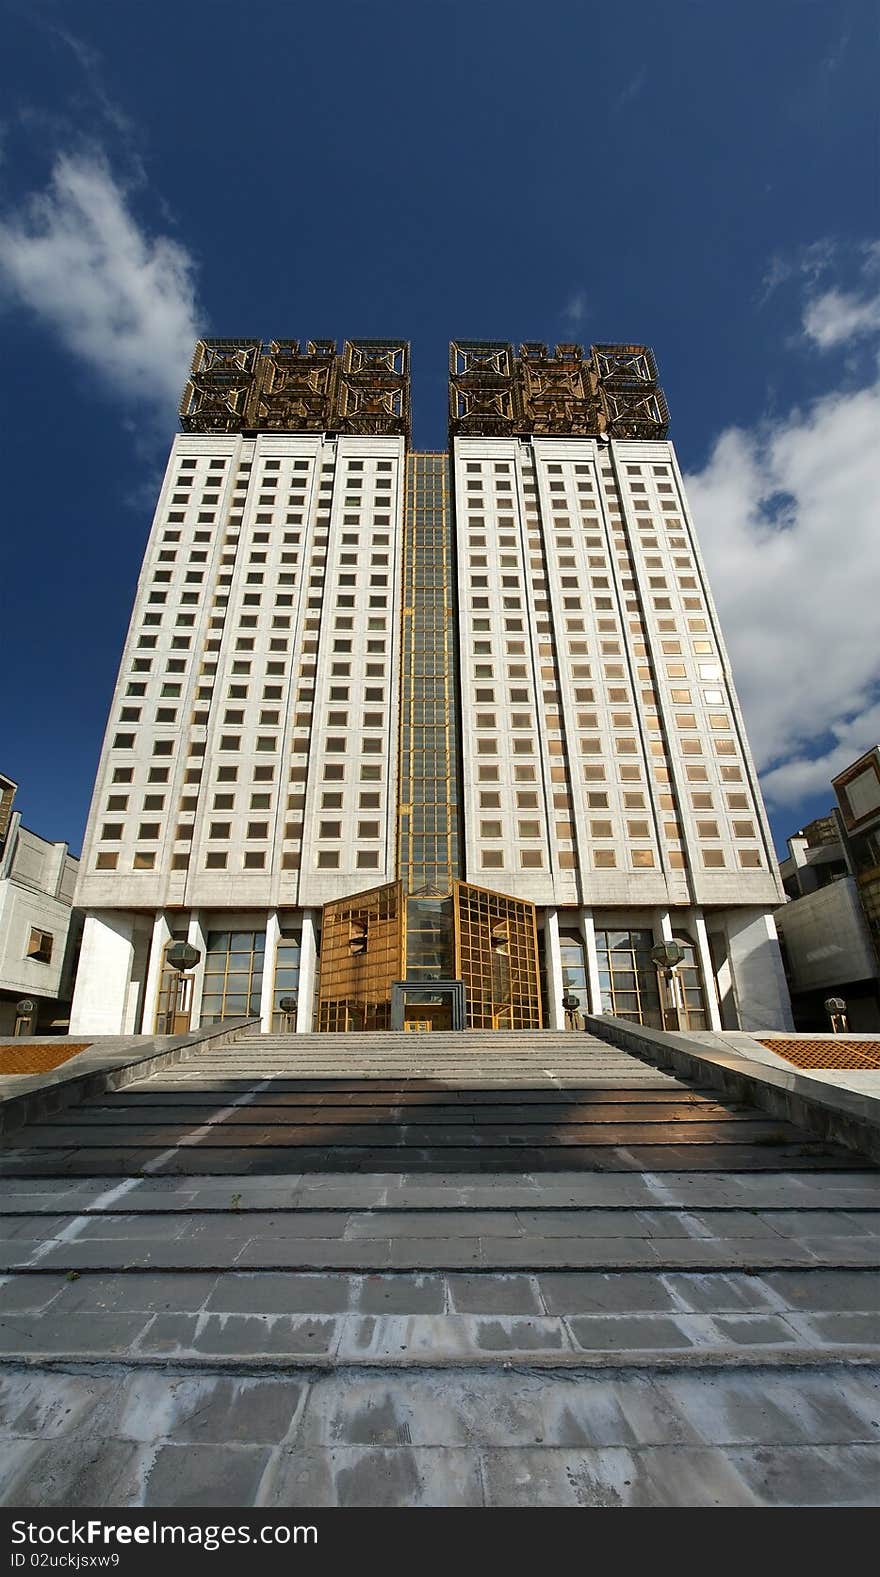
pixel 835 1007
pixel 666 958
pixel 24 1012
pixel 288 1008
pixel 571 1007
pixel 180 956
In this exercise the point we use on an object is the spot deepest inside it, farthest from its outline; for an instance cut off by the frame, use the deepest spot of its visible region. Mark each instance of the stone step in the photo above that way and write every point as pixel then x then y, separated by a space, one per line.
pixel 155 1436
pixel 686 1191
pixel 556 1320
pixel 373 1242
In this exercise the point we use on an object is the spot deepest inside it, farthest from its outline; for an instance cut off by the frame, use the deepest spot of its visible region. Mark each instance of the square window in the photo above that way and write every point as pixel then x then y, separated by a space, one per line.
pixel 367 860
pixel 531 859
pixel 492 859
pixel 39 946
pixel 328 859
pixel 215 860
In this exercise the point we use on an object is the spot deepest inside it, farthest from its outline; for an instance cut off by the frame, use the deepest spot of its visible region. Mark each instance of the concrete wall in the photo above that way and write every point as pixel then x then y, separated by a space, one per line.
pixel 826 938
pixel 757 976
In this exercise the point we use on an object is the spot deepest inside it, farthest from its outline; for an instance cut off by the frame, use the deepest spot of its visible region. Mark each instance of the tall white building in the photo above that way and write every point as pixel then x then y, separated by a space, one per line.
pixel 424 739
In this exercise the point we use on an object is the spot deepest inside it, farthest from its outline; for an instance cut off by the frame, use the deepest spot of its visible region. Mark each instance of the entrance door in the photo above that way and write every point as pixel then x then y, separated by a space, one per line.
pixel 420 1017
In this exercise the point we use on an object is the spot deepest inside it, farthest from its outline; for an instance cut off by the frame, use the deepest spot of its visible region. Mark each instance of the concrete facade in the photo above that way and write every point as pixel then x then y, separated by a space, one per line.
pixel 37 881
pixel 250 768
pixel 829 926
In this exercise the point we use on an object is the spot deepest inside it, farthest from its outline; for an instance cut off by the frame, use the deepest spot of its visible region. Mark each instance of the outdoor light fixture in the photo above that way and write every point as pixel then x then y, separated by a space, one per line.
pixel 182 956
pixel 835 1007
pixel 666 957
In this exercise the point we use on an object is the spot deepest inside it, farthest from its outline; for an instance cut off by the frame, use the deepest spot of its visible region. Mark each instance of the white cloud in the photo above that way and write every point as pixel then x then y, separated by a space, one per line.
pixel 632 89
pixel 787 516
pixel 838 316
pixel 121 300
pixel 576 308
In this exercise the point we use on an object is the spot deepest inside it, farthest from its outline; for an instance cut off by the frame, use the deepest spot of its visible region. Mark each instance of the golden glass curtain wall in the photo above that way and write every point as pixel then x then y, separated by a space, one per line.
pixel 425 741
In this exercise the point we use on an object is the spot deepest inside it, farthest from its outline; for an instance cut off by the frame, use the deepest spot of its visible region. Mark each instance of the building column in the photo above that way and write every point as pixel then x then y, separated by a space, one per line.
pixel 759 985
pixel 588 932
pixel 134 1008
pixel 307 968
pixel 661 925
pixel 197 937
pixel 100 997
pixel 553 963
pixel 707 970
pixel 267 994
pixel 161 937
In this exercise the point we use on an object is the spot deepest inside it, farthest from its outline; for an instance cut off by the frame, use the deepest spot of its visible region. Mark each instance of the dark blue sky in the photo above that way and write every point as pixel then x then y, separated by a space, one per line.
pixel 473 168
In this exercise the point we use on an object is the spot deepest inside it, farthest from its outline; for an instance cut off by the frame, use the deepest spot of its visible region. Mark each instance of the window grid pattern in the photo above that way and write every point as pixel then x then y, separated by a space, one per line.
pixel 574 970
pixel 496 947
pixel 361 955
pixel 287 957
pixel 627 976
pixel 233 975
pixel 429 764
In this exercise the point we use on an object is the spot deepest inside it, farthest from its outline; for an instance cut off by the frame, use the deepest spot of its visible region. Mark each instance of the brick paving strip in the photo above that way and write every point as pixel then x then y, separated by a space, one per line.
pixel 815 1053
pixel 33 1058
pixel 497 1270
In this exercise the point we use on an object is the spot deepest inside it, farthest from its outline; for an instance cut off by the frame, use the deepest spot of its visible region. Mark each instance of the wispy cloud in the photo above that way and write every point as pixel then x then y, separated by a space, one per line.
pixel 836 317
pixel 808 265
pixel 632 89
pixel 837 53
pixel 575 309
pixel 123 129
pixel 120 299
pixel 797 585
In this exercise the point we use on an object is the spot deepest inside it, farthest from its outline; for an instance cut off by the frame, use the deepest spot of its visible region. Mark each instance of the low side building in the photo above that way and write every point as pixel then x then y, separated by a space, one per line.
pixel 825 938
pixel 39 930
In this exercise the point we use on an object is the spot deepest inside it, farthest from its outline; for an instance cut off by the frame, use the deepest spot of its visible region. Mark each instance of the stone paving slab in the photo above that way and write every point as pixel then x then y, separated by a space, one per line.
pixel 152 1438
pixel 858 1191
pixel 803 1292
pixel 492 1319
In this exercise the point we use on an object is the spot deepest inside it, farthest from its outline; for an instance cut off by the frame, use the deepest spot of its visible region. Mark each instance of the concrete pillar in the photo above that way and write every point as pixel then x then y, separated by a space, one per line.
pixel 100 997
pixel 197 937
pixel 307 968
pixel 588 932
pixel 661 925
pixel 267 995
pixel 553 963
pixel 701 937
pixel 161 938
pixel 134 1009
pixel 759 986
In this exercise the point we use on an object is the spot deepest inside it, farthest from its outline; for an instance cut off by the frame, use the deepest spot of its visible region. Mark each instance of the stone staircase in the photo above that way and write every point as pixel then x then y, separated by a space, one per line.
pixel 444 1269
